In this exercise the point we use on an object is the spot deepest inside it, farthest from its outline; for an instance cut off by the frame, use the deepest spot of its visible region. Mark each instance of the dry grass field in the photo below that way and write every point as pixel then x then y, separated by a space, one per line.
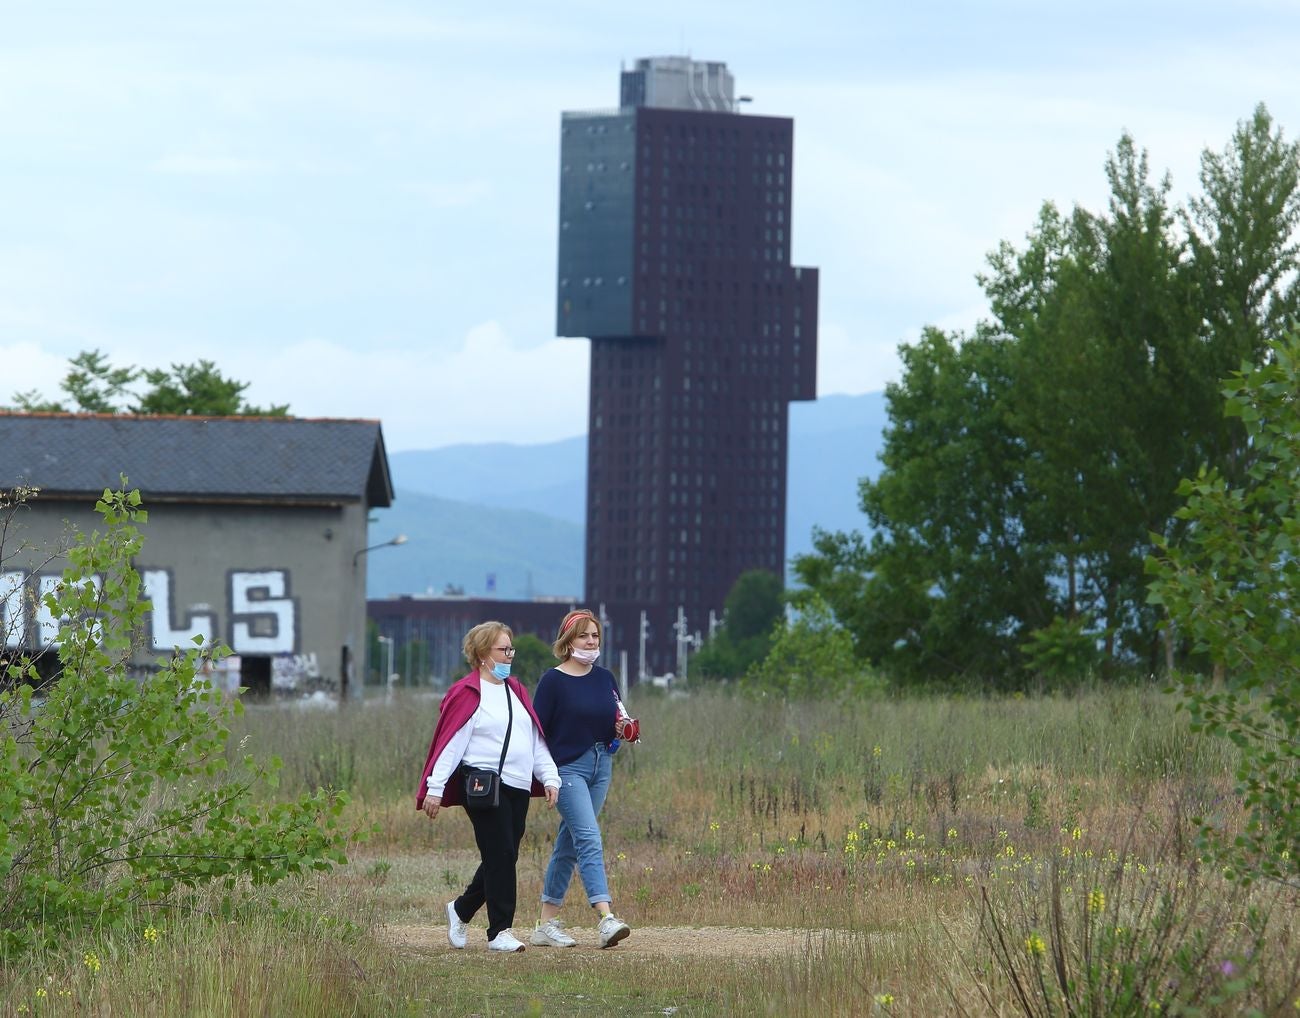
pixel 927 856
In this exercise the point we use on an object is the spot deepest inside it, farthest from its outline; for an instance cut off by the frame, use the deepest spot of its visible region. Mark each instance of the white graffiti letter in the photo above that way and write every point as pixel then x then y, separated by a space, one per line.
pixel 47 626
pixel 158 588
pixel 13 609
pixel 263 619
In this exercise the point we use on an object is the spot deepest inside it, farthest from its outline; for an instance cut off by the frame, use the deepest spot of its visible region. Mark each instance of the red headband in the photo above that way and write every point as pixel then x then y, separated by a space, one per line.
pixel 574 618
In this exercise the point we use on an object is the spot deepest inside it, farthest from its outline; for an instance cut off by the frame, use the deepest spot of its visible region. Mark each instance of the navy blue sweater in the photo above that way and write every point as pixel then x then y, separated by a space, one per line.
pixel 576 711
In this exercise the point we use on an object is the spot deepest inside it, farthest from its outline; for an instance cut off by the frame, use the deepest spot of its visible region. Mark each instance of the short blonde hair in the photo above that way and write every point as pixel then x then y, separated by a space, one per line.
pixel 563 645
pixel 478 641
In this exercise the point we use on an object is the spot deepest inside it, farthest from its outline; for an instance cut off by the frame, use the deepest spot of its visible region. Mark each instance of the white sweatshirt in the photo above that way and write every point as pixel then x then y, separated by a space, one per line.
pixel 478 743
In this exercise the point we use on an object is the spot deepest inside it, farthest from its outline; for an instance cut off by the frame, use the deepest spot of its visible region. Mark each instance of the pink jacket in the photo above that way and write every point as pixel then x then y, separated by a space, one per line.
pixel 458 706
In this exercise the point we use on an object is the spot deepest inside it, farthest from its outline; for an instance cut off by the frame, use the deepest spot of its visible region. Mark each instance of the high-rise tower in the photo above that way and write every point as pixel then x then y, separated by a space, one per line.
pixel 674 258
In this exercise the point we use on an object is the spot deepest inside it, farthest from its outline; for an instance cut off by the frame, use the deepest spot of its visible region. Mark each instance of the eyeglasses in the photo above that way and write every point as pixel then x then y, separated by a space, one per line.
pixel 507 651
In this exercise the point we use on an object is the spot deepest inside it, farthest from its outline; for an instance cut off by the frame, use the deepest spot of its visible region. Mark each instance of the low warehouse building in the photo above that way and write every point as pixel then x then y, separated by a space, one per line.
pixel 255 537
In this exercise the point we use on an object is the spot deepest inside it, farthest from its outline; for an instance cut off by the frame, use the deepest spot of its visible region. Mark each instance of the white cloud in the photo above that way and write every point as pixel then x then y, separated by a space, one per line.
pixel 489 388
pixel 852 365
pixel 27 366
pixel 323 170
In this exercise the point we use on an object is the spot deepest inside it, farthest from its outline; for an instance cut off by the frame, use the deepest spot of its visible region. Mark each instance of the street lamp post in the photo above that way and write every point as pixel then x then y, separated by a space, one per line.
pixel 399 539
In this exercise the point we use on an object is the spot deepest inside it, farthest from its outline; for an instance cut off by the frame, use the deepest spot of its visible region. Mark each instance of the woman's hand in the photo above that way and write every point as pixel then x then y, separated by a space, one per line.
pixel 432 803
pixel 552 796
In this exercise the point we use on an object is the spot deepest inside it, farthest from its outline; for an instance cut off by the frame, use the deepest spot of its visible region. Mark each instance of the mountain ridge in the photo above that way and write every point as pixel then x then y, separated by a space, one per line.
pixel 506 520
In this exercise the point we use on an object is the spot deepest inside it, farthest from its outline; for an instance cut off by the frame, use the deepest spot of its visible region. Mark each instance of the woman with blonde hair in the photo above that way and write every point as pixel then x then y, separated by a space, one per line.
pixel 487 722
pixel 580 711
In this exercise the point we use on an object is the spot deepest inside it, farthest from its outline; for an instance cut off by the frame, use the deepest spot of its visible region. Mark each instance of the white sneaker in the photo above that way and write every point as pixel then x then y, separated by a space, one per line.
pixel 550 934
pixel 505 941
pixel 612 930
pixel 457 928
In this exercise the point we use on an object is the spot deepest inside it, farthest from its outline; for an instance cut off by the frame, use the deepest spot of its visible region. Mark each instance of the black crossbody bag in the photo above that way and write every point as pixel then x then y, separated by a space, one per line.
pixel 482 786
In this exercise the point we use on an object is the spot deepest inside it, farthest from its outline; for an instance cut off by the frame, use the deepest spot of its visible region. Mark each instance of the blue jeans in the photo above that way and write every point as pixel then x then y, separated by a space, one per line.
pixel 583 786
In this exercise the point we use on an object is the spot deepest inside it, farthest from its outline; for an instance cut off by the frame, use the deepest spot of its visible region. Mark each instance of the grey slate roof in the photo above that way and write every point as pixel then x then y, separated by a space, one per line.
pixel 203 458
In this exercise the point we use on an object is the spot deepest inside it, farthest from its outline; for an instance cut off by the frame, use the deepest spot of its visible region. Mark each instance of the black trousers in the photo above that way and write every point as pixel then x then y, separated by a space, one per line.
pixel 498 833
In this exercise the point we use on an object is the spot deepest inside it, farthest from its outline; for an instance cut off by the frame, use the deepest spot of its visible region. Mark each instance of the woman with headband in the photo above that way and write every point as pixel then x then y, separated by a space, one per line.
pixel 580 711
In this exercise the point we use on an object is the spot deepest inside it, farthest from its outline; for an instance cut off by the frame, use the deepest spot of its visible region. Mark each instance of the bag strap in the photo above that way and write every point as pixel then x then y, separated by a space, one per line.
pixel 510 720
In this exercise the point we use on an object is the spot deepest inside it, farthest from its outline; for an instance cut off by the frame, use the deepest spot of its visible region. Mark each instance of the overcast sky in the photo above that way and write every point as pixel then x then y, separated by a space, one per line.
pixel 352 205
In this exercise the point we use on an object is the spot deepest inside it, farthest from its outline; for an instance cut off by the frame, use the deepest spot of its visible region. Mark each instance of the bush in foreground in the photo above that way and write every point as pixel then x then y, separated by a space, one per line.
pixel 115 792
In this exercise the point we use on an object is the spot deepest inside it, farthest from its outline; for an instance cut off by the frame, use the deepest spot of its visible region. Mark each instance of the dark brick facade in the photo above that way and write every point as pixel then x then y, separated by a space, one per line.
pixel 701 334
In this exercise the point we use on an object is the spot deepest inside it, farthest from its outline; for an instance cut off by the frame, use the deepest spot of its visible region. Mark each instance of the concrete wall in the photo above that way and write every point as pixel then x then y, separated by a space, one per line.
pixel 274 582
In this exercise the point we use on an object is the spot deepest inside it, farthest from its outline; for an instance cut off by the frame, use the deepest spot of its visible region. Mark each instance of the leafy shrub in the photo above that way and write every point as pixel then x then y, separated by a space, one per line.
pixel 1064 649
pixel 810 657
pixel 1231 589
pixel 1116 937
pixel 115 793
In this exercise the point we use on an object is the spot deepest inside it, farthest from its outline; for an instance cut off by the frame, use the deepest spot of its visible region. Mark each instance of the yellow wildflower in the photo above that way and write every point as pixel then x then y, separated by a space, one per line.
pixel 1035 944
pixel 1096 901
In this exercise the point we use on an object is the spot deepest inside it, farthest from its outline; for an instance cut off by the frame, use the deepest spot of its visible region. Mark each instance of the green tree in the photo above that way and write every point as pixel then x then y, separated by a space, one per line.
pixel 93 386
pixel 811 657
pixel 116 792
pixel 198 389
pixel 946 587
pixel 753 607
pixel 1231 585
pixel 1027 464
pixel 532 658
pixel 1102 364
pixel 1244 253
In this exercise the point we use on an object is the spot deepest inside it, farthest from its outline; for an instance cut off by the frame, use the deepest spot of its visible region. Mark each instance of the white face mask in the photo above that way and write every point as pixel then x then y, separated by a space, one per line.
pixel 586 657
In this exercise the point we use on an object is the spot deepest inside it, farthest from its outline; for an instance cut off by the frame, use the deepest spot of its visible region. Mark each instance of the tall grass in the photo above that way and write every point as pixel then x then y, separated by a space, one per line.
pixel 878 829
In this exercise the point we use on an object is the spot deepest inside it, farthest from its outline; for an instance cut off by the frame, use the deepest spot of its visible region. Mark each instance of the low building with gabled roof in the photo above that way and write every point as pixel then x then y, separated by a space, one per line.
pixel 255 537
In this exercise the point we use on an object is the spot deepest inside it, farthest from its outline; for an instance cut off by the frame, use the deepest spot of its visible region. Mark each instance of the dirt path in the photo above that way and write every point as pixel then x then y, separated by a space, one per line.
pixel 699 941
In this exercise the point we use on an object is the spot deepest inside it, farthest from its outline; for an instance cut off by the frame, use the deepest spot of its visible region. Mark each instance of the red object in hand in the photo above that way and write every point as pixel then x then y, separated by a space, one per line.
pixel 626 726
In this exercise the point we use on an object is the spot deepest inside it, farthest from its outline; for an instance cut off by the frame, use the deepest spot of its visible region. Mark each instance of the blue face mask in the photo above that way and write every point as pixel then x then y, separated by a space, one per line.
pixel 501 669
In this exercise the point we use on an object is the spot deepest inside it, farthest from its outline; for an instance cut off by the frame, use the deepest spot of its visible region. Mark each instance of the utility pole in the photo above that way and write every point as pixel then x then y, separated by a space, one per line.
pixel 606 635
pixel 683 640
pixel 645 631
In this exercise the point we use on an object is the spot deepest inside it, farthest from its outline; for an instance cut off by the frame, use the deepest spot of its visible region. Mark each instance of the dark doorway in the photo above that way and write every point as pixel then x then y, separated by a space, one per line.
pixel 255 674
